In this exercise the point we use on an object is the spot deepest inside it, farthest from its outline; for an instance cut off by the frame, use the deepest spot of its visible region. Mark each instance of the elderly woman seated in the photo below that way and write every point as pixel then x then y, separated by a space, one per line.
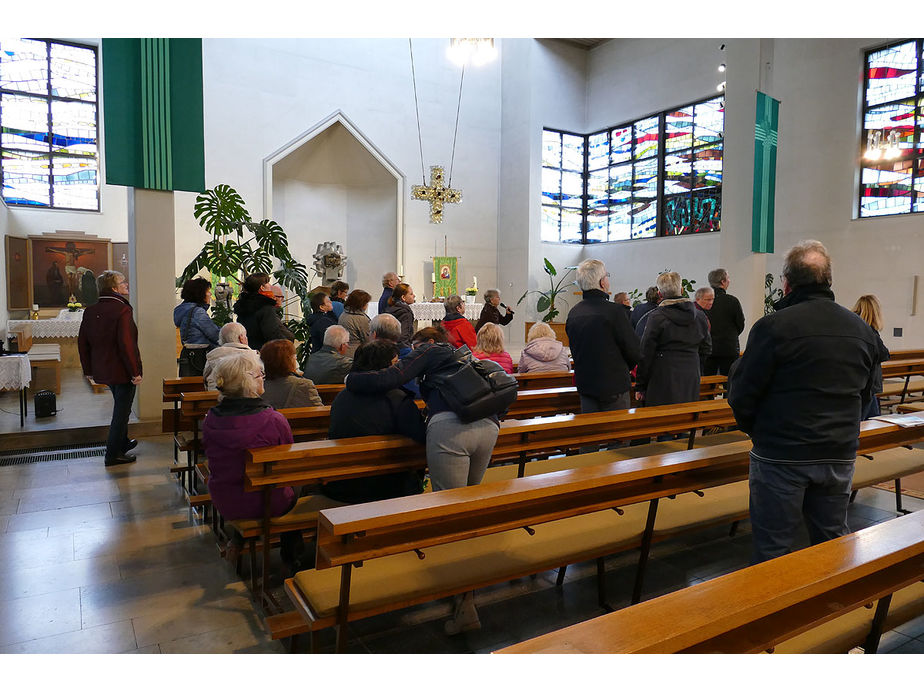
pixel 543 353
pixel 284 387
pixel 239 422
pixel 490 345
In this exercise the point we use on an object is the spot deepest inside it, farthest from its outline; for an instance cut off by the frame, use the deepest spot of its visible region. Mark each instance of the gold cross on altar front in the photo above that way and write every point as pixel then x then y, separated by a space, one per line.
pixel 437 194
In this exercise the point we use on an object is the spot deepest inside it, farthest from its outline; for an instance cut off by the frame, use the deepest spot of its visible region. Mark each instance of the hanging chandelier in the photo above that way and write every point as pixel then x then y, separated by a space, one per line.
pixel 880 146
pixel 478 51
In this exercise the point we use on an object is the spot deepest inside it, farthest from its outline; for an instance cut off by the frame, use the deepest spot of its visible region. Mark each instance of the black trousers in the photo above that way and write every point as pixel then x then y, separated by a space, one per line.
pixel 122 397
pixel 718 365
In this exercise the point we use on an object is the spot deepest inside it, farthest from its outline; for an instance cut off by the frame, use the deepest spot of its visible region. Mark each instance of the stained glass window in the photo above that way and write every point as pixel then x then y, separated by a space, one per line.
pixel 660 175
pixel 49 142
pixel 563 182
pixel 892 174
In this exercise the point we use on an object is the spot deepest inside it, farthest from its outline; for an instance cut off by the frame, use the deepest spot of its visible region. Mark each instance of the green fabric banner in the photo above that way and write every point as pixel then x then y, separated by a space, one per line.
pixel 152 100
pixel 445 275
pixel 766 137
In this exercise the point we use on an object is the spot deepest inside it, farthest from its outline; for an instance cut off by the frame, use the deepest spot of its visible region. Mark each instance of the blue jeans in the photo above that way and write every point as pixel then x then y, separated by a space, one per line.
pixel 783 494
pixel 122 397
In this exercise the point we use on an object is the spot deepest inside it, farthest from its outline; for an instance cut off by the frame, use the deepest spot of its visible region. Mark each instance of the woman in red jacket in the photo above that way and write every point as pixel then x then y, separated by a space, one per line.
pixel 108 347
pixel 457 326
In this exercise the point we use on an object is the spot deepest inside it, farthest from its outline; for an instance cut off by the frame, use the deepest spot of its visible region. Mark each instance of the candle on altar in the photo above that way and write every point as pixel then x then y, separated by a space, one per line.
pixel 433 277
pixel 474 280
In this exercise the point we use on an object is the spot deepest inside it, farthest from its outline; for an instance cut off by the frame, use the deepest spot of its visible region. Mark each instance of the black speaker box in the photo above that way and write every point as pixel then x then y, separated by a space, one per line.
pixel 46 404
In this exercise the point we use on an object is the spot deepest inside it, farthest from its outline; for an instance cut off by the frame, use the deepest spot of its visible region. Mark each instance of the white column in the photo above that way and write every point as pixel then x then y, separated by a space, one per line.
pixel 151 243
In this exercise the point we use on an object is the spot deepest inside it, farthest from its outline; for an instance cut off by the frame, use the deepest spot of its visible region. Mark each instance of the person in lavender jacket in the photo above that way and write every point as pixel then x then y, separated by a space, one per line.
pixel 242 421
pixel 543 353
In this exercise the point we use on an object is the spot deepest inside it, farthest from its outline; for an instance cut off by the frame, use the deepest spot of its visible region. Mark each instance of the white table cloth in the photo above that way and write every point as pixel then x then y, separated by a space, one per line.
pixel 15 372
pixel 436 311
pixel 50 328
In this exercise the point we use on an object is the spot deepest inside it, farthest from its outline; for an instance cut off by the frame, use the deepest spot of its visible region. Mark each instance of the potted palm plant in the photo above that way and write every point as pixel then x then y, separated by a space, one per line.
pixel 546 303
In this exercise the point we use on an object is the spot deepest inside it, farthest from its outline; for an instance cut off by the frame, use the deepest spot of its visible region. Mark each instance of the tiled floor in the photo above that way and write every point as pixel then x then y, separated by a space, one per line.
pixel 110 560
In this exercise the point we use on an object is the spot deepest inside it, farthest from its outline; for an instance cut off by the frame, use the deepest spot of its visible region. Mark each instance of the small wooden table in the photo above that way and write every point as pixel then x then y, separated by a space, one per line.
pixel 46 357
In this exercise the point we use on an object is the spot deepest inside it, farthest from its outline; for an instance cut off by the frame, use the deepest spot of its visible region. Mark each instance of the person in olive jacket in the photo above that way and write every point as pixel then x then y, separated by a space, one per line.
pixel 108 347
pixel 727 322
pixel 256 311
pixel 602 342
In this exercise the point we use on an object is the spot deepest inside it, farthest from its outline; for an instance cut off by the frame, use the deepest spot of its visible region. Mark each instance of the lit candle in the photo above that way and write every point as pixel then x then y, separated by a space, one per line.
pixel 35 306
pixel 474 280
pixel 433 277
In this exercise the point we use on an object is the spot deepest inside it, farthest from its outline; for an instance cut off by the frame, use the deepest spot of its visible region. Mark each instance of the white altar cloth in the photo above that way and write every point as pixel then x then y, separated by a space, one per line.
pixel 51 327
pixel 15 372
pixel 436 311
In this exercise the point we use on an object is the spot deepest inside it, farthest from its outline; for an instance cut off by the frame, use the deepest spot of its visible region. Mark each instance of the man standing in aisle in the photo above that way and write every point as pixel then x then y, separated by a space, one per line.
pixel 108 347
pixel 727 321
pixel 602 343
pixel 799 391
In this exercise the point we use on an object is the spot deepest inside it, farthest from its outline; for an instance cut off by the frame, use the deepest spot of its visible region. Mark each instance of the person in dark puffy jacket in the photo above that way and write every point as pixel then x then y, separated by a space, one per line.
pixel 491 313
pixel 457 326
pixel 256 311
pixel 399 306
pixel 651 302
pixel 192 317
pixel 322 317
pixel 543 353
pixel 726 320
pixel 675 336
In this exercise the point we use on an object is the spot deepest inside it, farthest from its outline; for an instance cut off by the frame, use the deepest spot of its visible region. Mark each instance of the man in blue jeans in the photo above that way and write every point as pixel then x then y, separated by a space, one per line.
pixel 108 347
pixel 799 390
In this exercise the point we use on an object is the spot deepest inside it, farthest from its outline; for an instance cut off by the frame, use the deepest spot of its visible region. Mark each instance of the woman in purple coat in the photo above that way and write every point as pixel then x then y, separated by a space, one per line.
pixel 242 421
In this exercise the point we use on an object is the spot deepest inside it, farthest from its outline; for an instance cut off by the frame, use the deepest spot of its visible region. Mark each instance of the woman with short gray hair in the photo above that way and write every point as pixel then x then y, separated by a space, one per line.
pixel 491 313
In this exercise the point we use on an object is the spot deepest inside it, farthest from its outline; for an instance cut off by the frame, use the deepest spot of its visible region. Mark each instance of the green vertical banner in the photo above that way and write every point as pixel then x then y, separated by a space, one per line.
pixel 445 275
pixel 766 138
pixel 152 105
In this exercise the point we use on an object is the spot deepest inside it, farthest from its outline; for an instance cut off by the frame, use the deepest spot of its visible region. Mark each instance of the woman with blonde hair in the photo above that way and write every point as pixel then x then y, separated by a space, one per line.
pixel 869 310
pixel 543 353
pixel 490 346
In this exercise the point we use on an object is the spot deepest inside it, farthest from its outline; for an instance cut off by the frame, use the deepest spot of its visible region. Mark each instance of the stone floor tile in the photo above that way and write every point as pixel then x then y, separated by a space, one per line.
pixel 111 638
pixel 912 646
pixel 17 583
pixel 25 550
pixel 38 617
pixel 245 638
pixel 69 517
pixel 195 619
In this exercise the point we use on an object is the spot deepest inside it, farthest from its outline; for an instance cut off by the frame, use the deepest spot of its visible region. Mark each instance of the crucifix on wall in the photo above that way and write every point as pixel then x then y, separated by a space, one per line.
pixel 437 194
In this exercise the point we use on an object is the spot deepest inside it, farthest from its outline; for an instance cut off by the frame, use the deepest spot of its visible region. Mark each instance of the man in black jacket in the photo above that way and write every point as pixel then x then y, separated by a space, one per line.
pixel 798 391
pixel 602 343
pixel 727 322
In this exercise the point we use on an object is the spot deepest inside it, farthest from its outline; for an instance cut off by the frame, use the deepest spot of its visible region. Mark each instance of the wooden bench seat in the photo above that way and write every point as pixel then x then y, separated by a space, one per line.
pixel 387 530
pixel 760 607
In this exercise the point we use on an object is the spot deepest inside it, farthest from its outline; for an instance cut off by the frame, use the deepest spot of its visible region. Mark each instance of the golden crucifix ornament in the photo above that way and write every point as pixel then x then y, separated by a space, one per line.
pixel 437 194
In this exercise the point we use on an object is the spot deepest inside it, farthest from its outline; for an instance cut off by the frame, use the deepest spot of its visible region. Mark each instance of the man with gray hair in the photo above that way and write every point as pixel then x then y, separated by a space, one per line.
pixel 799 391
pixel 726 319
pixel 329 364
pixel 389 282
pixel 602 343
pixel 232 338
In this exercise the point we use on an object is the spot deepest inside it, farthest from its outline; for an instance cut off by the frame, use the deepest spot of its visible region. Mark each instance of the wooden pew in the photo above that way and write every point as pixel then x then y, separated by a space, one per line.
pixel 904 371
pixel 353 535
pixel 173 422
pixel 757 608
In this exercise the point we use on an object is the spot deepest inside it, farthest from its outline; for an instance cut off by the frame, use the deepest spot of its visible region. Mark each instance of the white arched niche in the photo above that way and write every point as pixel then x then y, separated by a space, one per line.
pixel 332 184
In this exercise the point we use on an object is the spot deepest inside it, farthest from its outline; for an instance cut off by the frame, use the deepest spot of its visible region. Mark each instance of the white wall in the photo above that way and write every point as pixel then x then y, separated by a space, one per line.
pixel 261 94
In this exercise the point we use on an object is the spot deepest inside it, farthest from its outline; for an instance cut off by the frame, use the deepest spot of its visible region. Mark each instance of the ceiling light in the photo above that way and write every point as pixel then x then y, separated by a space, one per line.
pixel 722 67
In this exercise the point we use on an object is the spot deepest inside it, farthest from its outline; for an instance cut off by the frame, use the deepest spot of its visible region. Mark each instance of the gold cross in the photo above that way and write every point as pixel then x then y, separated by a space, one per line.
pixel 436 194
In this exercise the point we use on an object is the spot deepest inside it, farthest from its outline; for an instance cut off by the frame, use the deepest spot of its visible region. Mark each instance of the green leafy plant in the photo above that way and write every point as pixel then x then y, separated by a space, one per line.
pixel 635 297
pixel 546 302
pixel 239 246
pixel 771 294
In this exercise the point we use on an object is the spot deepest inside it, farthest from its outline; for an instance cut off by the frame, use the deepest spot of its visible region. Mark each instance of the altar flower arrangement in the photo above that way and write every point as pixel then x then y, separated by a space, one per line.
pixel 74 307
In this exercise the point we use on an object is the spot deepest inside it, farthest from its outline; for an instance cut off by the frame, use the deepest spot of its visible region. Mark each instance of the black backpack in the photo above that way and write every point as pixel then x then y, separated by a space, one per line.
pixel 473 389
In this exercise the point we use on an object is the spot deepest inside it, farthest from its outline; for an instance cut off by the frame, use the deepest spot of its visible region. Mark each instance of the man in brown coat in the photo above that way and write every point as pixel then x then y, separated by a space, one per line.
pixel 108 346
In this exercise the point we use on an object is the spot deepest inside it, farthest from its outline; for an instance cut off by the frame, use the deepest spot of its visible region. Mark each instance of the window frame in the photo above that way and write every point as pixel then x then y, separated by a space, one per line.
pixel 51 99
pixel 660 158
pixel 917 160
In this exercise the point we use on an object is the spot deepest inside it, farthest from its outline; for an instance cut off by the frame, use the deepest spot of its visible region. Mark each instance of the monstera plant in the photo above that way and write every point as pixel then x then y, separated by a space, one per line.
pixel 546 302
pixel 239 246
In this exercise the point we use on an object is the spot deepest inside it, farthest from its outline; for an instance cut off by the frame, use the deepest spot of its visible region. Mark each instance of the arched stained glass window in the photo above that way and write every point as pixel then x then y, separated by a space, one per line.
pixel 49 142
pixel 892 169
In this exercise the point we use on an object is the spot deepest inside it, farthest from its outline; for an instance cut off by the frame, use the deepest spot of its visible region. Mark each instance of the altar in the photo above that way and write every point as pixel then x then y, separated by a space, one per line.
pixel 436 311
pixel 62 330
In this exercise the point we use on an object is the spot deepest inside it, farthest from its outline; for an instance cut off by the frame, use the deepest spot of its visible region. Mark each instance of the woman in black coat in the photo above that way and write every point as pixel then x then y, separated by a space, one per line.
pixel 675 336
pixel 490 312
pixel 256 311
pixel 322 317
pixel 399 306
